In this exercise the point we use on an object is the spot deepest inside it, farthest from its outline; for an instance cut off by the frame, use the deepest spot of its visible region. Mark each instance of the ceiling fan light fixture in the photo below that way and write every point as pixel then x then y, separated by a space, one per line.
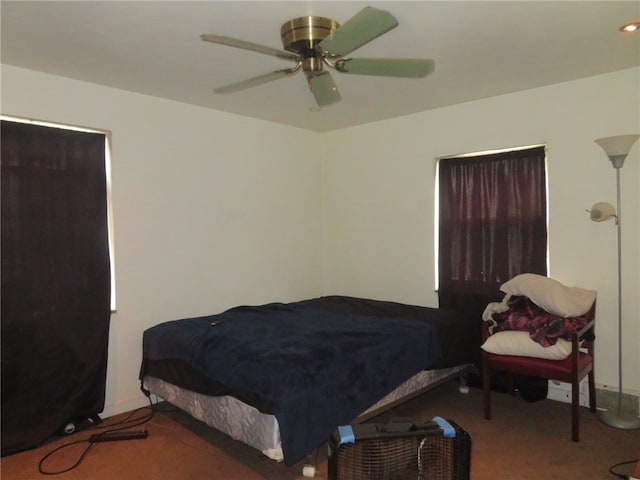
pixel 312 63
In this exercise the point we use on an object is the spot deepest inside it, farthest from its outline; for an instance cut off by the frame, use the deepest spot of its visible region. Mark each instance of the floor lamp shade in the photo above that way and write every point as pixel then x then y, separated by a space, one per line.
pixel 617 148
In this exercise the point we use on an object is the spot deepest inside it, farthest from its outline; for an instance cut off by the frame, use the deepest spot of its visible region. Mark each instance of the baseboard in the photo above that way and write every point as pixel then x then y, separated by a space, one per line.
pixel 127 405
pixel 606 399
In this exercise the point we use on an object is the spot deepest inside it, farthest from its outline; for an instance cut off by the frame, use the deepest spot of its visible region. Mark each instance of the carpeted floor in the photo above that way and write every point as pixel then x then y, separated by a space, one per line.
pixel 522 441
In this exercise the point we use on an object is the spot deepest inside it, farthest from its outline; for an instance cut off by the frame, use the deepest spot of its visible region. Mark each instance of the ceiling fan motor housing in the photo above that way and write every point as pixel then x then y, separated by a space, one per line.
pixel 301 35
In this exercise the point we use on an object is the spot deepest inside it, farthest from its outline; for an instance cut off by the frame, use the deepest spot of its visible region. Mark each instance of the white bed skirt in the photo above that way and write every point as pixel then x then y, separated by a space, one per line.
pixel 259 430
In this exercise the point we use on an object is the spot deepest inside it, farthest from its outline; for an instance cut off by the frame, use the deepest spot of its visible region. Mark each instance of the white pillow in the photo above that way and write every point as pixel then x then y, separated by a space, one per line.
pixel 551 295
pixel 515 342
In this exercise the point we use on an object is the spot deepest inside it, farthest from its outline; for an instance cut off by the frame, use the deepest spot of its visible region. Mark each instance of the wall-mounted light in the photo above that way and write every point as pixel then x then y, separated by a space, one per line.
pixel 602 211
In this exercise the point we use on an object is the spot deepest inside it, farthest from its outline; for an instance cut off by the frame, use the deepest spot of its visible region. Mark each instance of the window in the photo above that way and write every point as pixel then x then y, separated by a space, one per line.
pixel 492 222
pixel 107 172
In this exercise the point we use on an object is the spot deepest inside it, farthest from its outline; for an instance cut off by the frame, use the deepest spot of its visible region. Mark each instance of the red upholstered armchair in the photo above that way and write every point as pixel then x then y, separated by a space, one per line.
pixel 571 369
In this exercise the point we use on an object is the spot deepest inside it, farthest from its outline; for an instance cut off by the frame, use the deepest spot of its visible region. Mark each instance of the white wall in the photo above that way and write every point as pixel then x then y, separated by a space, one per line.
pixel 378 198
pixel 211 210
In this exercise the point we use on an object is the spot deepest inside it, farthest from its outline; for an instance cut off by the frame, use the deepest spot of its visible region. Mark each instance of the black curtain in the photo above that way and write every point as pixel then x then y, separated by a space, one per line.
pixel 493 224
pixel 55 281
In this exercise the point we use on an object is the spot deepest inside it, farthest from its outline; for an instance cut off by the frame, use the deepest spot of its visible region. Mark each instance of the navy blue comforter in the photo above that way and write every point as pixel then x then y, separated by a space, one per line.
pixel 313 369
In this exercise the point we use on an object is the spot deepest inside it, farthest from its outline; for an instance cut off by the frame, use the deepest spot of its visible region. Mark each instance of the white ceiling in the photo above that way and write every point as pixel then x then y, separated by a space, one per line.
pixel 481 49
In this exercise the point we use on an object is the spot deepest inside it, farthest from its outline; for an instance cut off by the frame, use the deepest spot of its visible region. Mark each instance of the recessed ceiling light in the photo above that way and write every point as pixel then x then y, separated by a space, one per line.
pixel 630 27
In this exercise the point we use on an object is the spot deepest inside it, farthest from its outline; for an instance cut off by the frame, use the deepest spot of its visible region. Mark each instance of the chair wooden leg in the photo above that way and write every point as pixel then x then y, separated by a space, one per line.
pixel 486 390
pixel 575 411
pixel 592 391
pixel 511 383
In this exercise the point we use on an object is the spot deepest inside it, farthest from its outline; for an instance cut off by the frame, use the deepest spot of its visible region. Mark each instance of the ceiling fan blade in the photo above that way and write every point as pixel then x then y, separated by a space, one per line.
pixel 364 26
pixel 254 47
pixel 255 81
pixel 387 67
pixel 323 88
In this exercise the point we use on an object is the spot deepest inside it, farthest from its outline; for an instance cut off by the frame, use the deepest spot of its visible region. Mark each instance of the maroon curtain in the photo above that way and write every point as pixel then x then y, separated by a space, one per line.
pixel 493 224
pixel 55 280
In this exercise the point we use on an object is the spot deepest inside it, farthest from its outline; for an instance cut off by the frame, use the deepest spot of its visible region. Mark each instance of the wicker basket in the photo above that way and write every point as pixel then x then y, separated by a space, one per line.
pixel 438 450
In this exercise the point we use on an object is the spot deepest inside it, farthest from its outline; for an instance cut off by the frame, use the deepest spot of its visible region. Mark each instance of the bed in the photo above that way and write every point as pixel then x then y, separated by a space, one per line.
pixel 281 377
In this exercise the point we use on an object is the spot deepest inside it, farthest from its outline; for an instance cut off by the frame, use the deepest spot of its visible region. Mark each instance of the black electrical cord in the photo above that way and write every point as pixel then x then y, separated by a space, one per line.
pixel 68 469
pixel 127 423
pixel 621 475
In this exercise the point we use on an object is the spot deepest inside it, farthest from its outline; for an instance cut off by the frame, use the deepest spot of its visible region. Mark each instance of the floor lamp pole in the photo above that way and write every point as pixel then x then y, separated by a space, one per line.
pixel 616 418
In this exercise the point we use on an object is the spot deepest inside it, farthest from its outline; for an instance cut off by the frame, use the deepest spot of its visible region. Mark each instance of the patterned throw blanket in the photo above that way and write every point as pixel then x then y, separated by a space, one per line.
pixel 542 326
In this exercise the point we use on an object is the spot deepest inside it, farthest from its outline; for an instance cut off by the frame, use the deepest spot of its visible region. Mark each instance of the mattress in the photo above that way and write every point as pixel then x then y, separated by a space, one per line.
pixel 318 363
pixel 260 430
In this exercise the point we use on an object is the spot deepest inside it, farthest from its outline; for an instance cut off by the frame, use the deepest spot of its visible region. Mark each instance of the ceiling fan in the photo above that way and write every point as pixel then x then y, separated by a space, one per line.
pixel 313 42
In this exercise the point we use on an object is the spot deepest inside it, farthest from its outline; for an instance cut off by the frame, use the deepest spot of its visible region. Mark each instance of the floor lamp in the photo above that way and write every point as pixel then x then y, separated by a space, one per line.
pixel 616 149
